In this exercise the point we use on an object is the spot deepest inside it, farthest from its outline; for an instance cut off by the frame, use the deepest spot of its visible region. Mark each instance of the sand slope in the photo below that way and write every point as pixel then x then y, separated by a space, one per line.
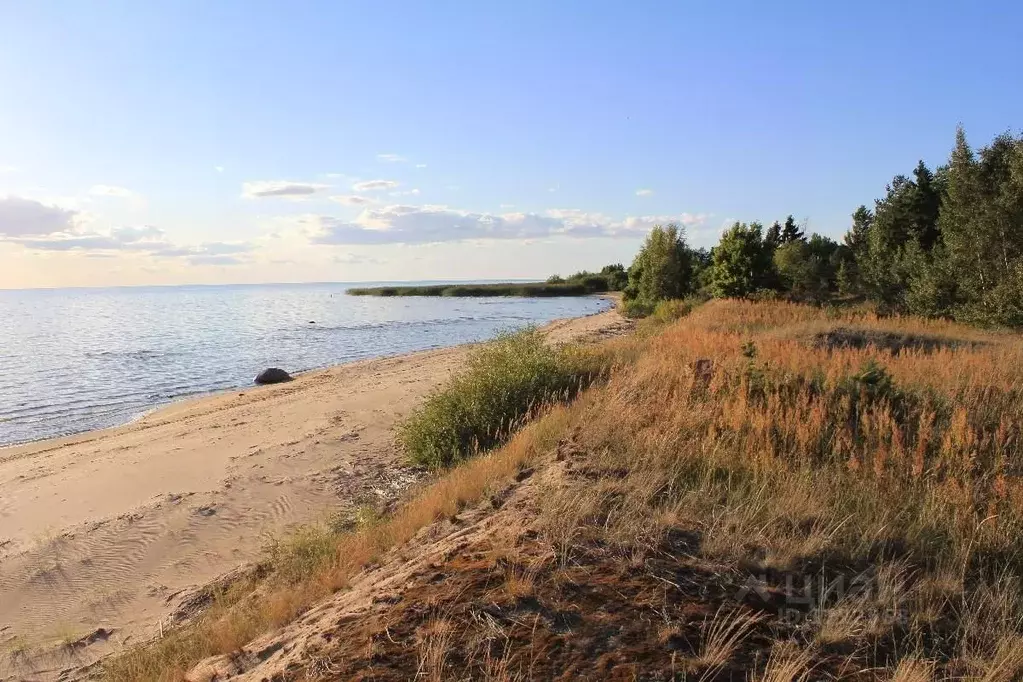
pixel 114 528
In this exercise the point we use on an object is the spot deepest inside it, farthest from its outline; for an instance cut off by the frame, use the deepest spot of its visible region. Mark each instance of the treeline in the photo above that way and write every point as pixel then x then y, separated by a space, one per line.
pixel 943 243
pixel 748 262
pixel 612 277
pixel 524 289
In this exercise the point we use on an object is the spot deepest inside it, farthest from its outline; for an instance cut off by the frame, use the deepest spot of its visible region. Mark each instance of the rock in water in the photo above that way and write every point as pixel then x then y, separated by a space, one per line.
pixel 273 375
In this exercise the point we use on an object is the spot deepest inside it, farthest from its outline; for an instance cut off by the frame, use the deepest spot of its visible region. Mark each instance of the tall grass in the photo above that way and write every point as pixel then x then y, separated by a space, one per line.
pixel 503 384
pixel 793 453
pixel 795 458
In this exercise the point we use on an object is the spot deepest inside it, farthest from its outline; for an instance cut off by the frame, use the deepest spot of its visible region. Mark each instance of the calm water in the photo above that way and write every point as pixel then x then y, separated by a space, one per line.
pixel 74 360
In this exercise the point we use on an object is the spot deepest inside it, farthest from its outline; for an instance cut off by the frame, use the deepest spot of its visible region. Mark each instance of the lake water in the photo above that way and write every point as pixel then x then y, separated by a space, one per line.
pixel 73 360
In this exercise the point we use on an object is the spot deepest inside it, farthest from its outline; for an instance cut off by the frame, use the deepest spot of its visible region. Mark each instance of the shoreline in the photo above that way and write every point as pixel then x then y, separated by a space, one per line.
pixel 5 449
pixel 114 528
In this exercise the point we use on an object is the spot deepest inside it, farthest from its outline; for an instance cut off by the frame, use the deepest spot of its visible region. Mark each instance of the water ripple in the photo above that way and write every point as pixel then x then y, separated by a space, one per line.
pixel 76 360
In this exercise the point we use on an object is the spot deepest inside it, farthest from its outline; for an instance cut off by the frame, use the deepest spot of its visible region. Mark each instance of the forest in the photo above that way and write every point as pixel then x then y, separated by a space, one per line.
pixel 944 243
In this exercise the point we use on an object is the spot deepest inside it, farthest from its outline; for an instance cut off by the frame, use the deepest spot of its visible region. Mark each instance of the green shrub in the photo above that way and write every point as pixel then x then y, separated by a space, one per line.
pixel 636 307
pixel 504 382
pixel 673 309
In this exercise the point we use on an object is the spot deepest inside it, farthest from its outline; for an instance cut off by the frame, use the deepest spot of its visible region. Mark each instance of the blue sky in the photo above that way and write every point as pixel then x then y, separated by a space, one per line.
pixel 174 142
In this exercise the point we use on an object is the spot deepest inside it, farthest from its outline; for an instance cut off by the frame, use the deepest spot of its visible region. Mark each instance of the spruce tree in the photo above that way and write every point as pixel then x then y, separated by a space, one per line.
pixel 791 232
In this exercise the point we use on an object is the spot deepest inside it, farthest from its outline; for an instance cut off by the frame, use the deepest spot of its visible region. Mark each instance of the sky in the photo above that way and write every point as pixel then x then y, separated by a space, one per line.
pixel 247 141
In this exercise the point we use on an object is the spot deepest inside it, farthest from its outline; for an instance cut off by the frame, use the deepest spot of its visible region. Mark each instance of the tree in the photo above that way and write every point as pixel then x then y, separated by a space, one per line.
pixel 856 237
pixel 617 277
pixel 791 232
pixel 856 252
pixel 981 225
pixel 663 267
pixel 772 239
pixel 742 263
pixel 808 270
pixel 795 269
pixel 926 204
pixel 947 243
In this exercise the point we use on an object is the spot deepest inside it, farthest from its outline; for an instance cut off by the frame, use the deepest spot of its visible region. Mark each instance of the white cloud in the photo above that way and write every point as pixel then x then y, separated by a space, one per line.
pixel 279 188
pixel 352 200
pixel 38 227
pixel 24 217
pixel 8 169
pixel 147 238
pixel 203 259
pixel 354 259
pixel 402 224
pixel 644 192
pixel 111 191
pixel 420 165
pixel 374 185
pixel 391 158
pixel 219 169
pixel 148 241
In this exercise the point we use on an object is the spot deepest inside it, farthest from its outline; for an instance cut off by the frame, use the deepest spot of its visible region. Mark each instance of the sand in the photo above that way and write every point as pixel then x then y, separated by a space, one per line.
pixel 103 535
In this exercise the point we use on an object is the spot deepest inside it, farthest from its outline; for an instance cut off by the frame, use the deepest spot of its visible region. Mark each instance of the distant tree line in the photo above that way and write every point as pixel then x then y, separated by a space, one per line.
pixel 612 277
pixel 944 243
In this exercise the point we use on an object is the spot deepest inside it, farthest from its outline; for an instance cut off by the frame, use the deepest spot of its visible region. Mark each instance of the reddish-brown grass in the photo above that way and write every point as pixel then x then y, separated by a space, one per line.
pixel 886 477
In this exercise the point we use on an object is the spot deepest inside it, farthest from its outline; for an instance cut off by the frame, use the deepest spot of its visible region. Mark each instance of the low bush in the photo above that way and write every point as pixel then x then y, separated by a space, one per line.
pixel 504 383
pixel 635 308
pixel 673 309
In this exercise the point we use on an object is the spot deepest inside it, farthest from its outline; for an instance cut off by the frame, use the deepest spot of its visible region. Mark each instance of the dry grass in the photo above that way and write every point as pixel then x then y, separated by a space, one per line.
pixel 875 489
pixel 723 635
pixel 789 663
pixel 316 562
pixel 912 669
pixel 815 464
pixel 434 644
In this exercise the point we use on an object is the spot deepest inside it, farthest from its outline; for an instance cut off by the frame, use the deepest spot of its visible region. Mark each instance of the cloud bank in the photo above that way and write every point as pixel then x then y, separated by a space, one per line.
pixel 262 189
pixel 111 191
pixel 38 227
pixel 24 217
pixel 374 185
pixel 402 224
pixel 351 200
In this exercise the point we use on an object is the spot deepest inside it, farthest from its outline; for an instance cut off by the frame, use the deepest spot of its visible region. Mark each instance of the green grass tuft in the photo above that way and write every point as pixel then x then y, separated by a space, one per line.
pixel 504 383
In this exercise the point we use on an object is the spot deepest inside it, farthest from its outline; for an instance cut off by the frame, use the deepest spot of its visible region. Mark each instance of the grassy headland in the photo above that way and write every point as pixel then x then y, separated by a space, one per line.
pixel 610 278
pixel 526 289
pixel 757 491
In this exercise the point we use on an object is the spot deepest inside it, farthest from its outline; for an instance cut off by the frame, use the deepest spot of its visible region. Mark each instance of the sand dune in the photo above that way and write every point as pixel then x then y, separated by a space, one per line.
pixel 103 535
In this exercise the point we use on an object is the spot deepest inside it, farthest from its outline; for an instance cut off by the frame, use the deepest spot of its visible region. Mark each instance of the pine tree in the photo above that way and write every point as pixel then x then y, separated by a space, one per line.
pixel 772 240
pixel 926 204
pixel 791 232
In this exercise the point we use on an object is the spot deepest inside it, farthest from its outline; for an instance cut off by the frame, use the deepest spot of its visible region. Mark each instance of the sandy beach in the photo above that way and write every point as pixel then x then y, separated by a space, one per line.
pixel 103 535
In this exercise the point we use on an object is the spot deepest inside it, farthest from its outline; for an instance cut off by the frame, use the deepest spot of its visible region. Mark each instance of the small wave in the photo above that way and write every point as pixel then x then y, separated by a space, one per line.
pixel 392 324
pixel 143 355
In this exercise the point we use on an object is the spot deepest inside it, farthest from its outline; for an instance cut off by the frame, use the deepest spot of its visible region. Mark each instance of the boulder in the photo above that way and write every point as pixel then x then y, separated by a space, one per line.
pixel 273 375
